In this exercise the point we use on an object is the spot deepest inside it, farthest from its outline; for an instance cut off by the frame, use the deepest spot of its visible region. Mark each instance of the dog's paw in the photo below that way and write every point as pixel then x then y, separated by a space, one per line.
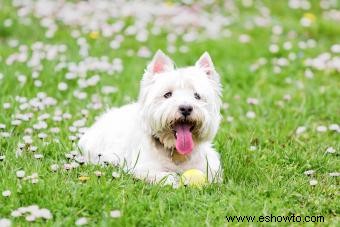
pixel 215 176
pixel 171 179
pixel 158 177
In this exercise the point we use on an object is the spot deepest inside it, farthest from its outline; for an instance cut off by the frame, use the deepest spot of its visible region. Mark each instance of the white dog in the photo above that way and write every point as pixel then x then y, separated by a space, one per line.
pixel 168 130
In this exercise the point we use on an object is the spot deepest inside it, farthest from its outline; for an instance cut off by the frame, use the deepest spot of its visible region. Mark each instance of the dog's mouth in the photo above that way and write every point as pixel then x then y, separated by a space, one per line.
pixel 183 134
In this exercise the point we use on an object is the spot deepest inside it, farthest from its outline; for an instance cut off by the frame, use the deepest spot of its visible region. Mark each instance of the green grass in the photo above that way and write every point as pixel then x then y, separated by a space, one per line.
pixel 269 180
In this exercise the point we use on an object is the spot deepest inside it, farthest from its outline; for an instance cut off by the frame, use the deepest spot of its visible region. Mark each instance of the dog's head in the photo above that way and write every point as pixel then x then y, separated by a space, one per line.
pixel 180 107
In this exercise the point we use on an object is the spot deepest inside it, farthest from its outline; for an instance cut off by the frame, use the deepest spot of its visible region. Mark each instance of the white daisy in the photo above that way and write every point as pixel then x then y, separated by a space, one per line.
pixel 313 182
pixel 6 193
pixel 115 214
pixel 81 221
pixel 20 174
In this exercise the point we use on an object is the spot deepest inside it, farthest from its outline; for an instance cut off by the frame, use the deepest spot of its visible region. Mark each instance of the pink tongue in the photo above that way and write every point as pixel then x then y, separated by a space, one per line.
pixel 184 142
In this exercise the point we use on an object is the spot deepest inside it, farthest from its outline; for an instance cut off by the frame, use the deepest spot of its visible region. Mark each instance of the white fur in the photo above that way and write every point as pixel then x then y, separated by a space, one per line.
pixel 125 136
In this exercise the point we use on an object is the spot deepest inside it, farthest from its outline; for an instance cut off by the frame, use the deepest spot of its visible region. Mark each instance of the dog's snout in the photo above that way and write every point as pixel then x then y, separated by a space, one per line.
pixel 185 110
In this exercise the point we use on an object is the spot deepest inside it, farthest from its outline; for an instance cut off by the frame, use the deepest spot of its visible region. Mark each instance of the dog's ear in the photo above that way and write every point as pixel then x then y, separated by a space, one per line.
pixel 205 63
pixel 160 63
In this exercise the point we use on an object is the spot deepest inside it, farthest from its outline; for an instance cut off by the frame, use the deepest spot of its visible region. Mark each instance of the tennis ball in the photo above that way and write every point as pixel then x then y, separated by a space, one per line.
pixel 193 177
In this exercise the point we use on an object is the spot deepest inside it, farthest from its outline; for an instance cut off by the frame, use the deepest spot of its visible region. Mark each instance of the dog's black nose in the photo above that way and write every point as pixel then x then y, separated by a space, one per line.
pixel 185 110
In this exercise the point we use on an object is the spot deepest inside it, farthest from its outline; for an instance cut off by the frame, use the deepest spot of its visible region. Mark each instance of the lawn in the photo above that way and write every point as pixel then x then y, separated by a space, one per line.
pixel 63 64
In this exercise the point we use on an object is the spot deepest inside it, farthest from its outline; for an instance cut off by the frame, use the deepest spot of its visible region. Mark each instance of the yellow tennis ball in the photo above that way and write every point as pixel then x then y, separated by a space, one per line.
pixel 193 177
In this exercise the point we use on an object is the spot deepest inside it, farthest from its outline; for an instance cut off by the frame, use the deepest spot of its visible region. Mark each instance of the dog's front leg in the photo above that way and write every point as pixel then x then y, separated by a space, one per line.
pixel 213 166
pixel 208 161
pixel 155 177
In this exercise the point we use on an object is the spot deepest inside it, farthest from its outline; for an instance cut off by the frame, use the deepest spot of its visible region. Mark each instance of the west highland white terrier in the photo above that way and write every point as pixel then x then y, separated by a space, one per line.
pixel 168 130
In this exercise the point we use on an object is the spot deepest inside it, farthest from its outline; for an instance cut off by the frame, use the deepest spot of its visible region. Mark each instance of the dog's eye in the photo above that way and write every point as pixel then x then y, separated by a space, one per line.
pixel 167 95
pixel 197 96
